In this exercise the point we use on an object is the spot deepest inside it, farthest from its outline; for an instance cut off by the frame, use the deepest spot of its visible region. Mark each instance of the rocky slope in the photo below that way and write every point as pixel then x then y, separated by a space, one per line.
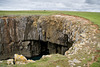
pixel 35 35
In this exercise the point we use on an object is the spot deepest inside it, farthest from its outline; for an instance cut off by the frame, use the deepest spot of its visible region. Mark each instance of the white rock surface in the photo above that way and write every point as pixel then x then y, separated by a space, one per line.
pixel 44 56
pixel 1 61
pixel 10 61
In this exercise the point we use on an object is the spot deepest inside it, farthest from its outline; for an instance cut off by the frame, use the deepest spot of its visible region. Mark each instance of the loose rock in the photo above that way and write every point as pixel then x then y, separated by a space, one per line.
pixel 10 61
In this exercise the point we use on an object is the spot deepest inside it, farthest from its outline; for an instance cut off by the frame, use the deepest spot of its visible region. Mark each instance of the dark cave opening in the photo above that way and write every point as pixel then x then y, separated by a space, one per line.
pixel 44 48
pixel 39 48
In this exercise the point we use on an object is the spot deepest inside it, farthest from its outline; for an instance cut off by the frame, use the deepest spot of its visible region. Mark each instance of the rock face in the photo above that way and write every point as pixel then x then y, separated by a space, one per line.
pixel 35 35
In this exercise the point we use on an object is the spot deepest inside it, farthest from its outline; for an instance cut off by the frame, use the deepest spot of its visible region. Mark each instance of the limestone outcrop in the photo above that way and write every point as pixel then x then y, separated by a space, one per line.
pixel 38 34
pixel 19 59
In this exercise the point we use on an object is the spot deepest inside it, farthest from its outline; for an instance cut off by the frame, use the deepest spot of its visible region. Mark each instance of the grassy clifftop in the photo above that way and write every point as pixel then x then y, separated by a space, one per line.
pixel 93 16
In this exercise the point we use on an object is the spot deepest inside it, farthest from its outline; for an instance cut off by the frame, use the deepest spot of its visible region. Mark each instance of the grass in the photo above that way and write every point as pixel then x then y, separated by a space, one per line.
pixel 55 60
pixel 92 16
pixel 96 64
pixel 4 64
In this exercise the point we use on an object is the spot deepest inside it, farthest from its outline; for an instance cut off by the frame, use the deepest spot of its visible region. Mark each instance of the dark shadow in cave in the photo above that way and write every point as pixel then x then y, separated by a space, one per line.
pixel 42 47
pixel 35 57
pixel 39 48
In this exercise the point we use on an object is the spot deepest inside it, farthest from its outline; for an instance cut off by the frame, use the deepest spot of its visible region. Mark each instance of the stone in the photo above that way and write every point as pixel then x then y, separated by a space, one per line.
pixel 76 61
pixel 98 44
pixel 10 61
pixel 20 62
pixel 78 66
pixel 83 59
pixel 70 61
pixel 57 66
pixel 20 59
pixel 66 53
pixel 30 61
pixel 82 43
pixel 84 65
pixel 72 64
pixel 83 35
pixel 1 61
pixel 89 52
pixel 46 56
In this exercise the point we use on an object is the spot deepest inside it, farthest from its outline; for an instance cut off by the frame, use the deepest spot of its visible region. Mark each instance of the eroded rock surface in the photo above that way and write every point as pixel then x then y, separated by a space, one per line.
pixel 35 35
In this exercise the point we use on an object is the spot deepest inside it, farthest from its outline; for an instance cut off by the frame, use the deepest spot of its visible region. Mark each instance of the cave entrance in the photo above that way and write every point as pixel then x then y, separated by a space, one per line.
pixel 44 48
pixel 39 48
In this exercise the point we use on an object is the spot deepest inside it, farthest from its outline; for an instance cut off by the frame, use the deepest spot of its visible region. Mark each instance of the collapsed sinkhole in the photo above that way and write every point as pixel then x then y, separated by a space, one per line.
pixel 38 35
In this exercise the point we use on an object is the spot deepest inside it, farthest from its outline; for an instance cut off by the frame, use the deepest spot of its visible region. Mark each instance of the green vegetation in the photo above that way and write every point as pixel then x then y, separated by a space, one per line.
pixel 98 60
pixel 3 64
pixel 55 60
pixel 96 64
pixel 93 16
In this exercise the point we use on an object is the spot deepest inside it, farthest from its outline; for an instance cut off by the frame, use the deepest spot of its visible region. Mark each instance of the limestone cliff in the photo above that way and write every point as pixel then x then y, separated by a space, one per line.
pixel 36 34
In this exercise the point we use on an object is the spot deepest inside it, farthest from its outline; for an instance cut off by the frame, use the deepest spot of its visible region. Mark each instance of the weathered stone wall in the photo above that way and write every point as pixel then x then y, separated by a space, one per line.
pixel 21 34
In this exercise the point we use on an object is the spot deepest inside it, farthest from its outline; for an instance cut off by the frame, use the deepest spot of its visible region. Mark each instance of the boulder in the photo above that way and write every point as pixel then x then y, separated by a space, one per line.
pixel 10 61
pixel 1 61
pixel 30 61
pixel 20 59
